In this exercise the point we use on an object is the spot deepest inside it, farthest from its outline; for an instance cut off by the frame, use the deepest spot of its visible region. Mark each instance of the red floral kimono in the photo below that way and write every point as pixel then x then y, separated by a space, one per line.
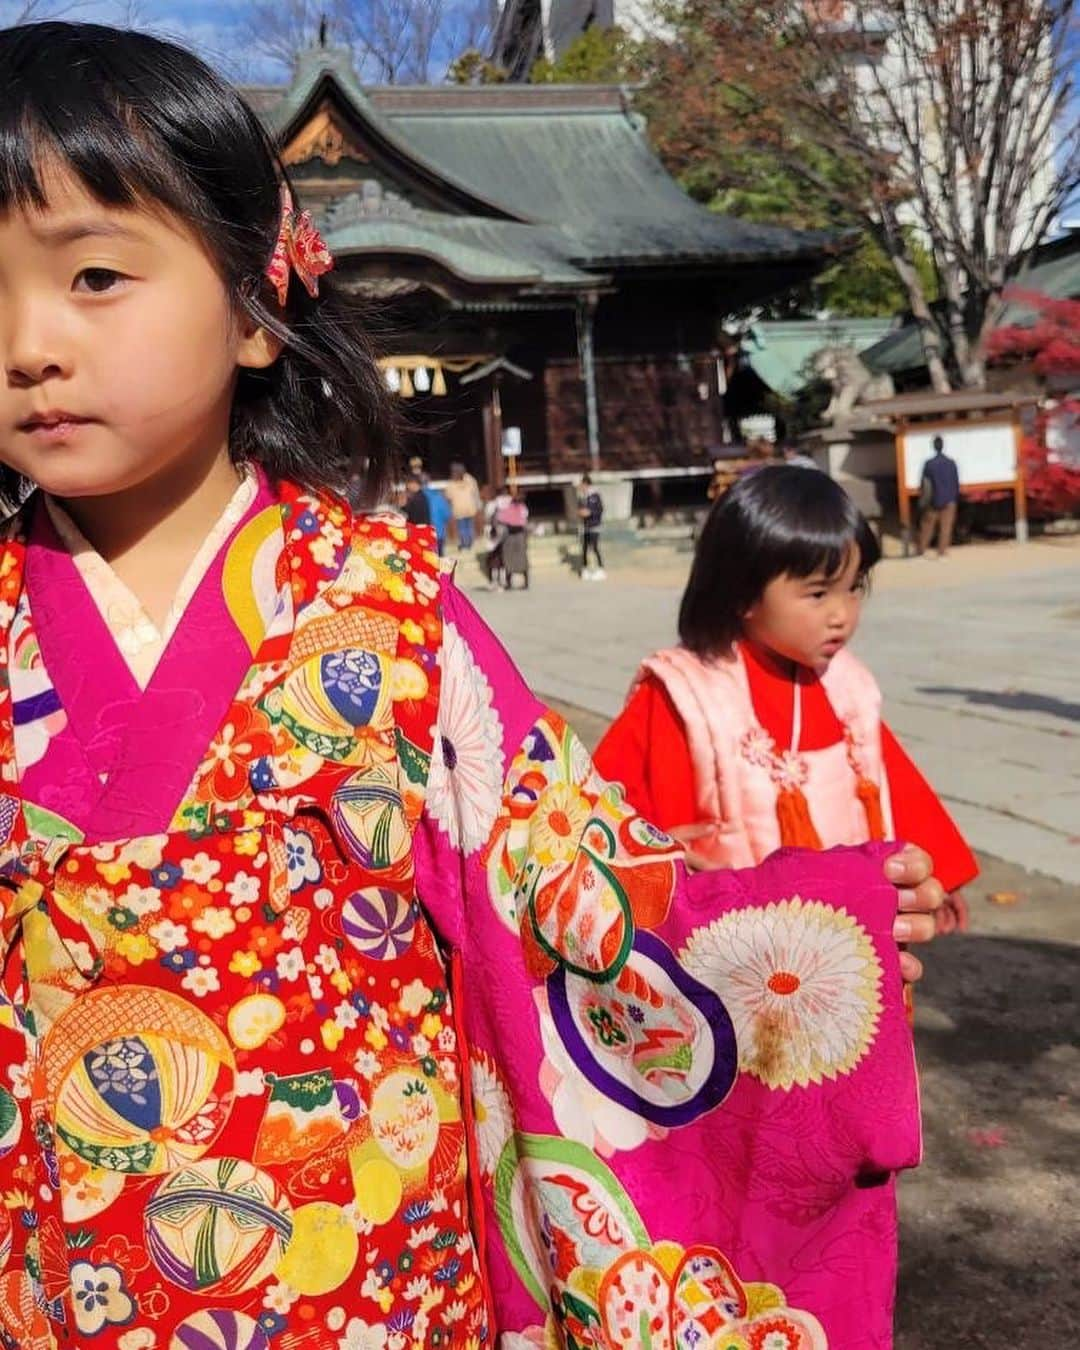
pixel 344 1007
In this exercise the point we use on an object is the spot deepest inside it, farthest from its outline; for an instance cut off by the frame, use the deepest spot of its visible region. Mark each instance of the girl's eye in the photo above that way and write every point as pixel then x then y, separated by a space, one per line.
pixel 97 280
pixel 818 595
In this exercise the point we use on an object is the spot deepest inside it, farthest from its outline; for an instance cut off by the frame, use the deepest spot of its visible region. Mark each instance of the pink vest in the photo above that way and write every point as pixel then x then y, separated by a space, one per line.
pixel 740 772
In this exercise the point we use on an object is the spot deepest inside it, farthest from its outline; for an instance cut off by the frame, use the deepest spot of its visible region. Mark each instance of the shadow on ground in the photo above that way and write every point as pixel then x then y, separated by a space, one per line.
pixel 1015 700
pixel 990 1237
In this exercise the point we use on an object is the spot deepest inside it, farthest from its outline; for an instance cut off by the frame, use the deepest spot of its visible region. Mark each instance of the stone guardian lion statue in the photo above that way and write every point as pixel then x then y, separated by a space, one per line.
pixel 852 382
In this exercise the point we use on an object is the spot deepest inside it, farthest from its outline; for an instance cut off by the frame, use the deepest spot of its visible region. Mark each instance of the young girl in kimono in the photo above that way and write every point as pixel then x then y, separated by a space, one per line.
pixel 344 1006
pixel 761 730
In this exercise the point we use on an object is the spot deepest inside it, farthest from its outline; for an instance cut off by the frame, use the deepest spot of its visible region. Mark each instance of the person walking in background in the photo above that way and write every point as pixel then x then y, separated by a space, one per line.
pixel 463 494
pixel 591 515
pixel 938 500
pixel 512 521
pixel 416 508
pixel 439 511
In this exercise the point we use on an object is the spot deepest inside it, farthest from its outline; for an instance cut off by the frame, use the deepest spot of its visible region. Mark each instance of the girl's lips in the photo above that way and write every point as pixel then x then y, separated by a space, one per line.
pixel 54 428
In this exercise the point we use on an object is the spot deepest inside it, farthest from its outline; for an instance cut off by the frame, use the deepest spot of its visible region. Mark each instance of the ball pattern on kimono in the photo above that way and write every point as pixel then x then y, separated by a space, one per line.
pixel 379 923
pixel 253 1019
pixel 220 1226
pixel 404 1117
pixel 10 1122
pixel 5 1237
pixel 219 1329
pixel 369 815
pixel 326 699
pixel 353 681
pixel 141 1080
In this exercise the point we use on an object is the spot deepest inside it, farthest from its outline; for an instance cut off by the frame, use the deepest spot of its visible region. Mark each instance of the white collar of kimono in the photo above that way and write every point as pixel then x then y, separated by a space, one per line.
pixel 136 635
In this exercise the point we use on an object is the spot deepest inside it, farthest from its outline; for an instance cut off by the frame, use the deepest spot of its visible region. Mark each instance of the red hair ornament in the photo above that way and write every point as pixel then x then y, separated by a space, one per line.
pixel 300 248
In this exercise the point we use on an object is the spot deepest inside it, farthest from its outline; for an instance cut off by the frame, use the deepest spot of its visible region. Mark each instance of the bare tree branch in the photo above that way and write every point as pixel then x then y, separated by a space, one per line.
pixel 391 41
pixel 943 116
pixel 33 11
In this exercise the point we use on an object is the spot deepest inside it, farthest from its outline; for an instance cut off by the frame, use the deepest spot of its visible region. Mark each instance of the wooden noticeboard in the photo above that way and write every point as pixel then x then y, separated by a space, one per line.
pixel 987 455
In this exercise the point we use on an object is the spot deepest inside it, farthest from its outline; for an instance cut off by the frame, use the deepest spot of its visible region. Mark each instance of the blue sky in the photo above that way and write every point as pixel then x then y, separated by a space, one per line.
pixel 211 27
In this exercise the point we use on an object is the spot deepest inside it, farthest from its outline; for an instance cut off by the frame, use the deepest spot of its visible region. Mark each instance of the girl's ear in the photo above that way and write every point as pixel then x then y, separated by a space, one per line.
pixel 258 347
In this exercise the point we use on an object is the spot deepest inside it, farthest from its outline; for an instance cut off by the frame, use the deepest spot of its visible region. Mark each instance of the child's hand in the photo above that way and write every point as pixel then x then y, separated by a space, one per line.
pixel 954 915
pixel 921 895
pixel 687 835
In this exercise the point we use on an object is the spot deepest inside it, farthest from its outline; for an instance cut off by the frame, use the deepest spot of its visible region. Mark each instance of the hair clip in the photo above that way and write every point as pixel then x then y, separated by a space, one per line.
pixel 300 248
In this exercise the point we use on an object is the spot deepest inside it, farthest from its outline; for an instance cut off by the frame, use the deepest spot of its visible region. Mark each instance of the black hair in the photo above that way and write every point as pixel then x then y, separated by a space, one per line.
pixel 939 444
pixel 142 122
pixel 779 520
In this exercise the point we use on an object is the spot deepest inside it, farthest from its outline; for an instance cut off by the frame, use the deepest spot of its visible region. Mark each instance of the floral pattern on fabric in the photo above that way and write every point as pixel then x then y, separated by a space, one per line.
pixel 338 1059
pixel 244 1075
pixel 618 1287
pixel 465 786
pixel 801 981
pixel 652 1187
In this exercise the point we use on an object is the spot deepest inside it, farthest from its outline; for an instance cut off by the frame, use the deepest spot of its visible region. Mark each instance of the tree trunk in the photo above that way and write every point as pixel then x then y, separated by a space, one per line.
pixel 890 234
pixel 993 307
pixel 927 324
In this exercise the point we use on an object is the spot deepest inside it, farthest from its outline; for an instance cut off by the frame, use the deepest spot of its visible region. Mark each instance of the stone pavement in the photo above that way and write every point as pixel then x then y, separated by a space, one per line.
pixel 978 656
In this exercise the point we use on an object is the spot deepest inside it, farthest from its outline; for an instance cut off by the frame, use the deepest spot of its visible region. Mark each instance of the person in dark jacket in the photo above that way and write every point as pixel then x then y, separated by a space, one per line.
pixel 938 499
pixel 417 511
pixel 591 515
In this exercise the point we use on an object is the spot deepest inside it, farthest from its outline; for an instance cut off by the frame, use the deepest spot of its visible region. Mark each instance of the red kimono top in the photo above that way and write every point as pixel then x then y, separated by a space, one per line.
pixel 646 750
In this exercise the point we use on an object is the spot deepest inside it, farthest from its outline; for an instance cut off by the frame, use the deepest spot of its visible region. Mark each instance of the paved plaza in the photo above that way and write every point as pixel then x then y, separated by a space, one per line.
pixel 978 656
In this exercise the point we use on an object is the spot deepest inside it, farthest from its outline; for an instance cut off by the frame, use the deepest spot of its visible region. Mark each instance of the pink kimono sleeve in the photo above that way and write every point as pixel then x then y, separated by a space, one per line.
pixel 690 1093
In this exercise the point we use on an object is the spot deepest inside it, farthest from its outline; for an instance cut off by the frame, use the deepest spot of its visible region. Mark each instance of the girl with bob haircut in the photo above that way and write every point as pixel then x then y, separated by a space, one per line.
pixel 761 730
pixel 342 1003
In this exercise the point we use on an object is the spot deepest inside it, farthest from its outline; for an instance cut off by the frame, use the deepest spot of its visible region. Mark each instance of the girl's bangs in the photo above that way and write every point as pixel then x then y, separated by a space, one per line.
pixel 107 148
pixel 824 553
pixel 827 550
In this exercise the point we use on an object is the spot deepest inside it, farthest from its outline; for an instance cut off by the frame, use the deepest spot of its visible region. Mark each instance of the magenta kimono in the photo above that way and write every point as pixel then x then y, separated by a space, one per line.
pixel 346 1008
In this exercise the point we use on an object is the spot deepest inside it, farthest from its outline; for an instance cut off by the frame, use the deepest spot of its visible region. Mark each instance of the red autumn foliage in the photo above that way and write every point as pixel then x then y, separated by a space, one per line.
pixel 1051 346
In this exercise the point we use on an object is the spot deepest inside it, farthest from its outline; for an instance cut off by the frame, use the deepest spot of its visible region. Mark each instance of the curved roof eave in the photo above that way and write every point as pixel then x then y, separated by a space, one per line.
pixel 303 98
pixel 512 274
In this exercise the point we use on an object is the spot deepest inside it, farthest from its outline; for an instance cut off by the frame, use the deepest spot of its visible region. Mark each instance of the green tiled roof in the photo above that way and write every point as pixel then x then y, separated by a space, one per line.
pixel 778 352
pixel 471 247
pixel 551 179
pixel 1054 271
pixel 593 173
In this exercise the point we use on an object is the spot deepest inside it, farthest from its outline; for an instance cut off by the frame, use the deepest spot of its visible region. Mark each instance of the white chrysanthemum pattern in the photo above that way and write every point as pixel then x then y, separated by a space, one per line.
pixel 465 782
pixel 802 983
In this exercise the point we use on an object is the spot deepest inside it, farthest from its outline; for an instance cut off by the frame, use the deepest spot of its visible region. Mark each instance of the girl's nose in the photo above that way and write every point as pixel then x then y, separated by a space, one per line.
pixel 28 368
pixel 33 355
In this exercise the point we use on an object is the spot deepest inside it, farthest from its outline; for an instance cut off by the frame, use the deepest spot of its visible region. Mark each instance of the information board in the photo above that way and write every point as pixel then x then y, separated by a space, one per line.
pixel 985 452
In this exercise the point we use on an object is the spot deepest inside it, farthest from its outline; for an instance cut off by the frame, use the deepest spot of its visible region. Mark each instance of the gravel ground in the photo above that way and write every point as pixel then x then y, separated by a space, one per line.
pixel 990 1244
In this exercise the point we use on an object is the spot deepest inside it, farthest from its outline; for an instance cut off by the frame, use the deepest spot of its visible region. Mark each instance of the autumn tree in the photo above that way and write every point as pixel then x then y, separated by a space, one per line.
pixel 729 176
pixel 932 123
pixel 1049 346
